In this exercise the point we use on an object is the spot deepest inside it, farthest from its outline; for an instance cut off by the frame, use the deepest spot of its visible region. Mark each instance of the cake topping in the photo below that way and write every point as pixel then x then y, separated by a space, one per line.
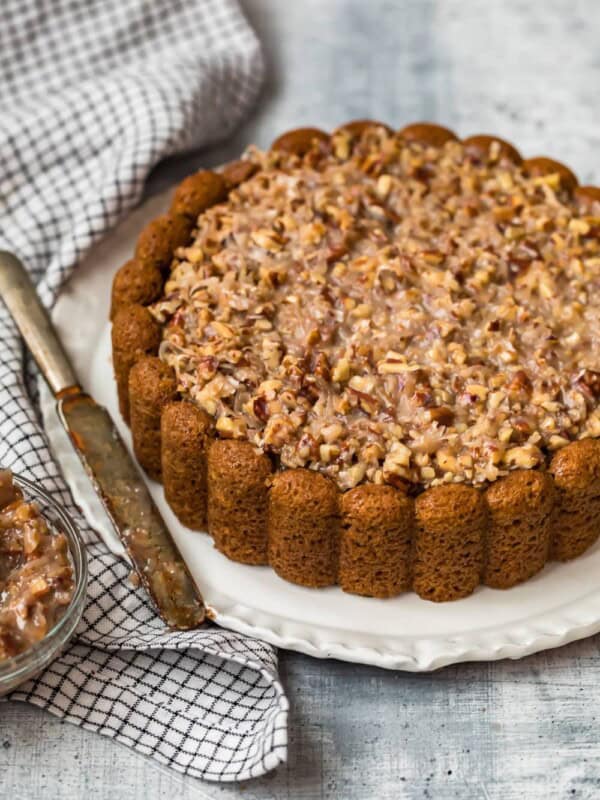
pixel 36 577
pixel 380 310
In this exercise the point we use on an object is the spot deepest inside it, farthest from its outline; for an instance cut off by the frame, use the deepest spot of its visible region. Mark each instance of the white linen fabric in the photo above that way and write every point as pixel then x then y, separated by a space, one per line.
pixel 93 95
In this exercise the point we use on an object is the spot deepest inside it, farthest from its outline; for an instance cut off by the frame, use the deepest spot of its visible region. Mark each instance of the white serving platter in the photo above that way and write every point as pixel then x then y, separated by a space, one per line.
pixel 559 605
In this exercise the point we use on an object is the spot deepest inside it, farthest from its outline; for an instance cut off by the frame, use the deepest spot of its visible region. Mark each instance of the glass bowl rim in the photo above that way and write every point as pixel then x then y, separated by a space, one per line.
pixel 63 629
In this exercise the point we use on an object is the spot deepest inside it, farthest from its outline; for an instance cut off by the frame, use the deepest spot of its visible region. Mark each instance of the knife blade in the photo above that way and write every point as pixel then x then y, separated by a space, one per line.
pixel 112 472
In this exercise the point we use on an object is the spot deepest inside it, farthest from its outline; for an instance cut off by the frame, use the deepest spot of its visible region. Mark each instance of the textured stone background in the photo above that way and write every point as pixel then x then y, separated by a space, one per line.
pixel 529 71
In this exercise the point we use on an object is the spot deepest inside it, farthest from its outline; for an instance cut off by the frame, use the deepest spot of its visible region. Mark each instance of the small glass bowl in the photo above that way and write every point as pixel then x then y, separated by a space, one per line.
pixel 31 662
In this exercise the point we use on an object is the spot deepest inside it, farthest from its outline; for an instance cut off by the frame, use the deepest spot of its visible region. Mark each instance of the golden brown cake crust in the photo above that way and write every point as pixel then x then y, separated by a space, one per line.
pixel 300 140
pixel 426 133
pixel 480 144
pixel 588 196
pixel 304 527
pixel 135 334
pixel 237 172
pixel 157 242
pixel 373 540
pixel 449 542
pixel 359 126
pixel 135 284
pixel 198 192
pixel 576 524
pixel 238 499
pixel 541 165
pixel 376 541
pixel 151 386
pixel 185 435
pixel 518 538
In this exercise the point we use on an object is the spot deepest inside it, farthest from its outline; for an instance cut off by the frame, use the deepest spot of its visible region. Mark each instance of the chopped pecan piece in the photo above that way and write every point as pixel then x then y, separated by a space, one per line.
pixel 589 380
pixel 442 415
pixel 520 382
pixel 261 409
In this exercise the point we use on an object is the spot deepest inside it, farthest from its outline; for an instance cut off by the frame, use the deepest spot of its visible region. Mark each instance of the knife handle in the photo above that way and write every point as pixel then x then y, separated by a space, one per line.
pixel 20 297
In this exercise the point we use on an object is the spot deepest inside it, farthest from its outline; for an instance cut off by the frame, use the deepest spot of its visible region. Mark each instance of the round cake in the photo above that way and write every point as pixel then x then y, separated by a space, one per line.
pixel 372 358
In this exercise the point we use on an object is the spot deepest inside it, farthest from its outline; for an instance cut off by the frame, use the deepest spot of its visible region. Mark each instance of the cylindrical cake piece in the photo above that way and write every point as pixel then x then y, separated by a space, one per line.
pixel 299 141
pixel 540 166
pixel 160 238
pixel 237 500
pixel 237 172
pixel 135 334
pixel 588 197
pixel 184 431
pixel 518 537
pixel 134 283
pixel 427 134
pixel 482 147
pixel 376 539
pixel 152 385
pixel 304 527
pixel 576 522
pixel 197 193
pixel 357 127
pixel 448 554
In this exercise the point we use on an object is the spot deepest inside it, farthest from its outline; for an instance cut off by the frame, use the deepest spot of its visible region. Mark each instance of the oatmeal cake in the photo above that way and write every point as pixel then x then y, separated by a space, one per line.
pixel 374 359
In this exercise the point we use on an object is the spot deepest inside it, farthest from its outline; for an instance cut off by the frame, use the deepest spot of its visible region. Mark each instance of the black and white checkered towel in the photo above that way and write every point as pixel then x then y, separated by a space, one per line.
pixel 93 95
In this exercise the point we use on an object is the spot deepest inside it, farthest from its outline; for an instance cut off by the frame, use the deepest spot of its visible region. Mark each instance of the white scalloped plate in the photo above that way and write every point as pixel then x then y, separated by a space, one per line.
pixel 559 605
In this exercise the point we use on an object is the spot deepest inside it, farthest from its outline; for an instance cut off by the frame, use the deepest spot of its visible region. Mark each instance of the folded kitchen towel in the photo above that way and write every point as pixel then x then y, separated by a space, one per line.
pixel 93 95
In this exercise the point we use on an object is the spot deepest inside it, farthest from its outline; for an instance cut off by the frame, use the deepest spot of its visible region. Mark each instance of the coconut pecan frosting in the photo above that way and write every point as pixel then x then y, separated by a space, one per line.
pixel 385 311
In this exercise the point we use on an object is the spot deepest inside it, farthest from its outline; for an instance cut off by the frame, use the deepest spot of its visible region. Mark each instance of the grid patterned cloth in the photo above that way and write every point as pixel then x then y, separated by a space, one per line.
pixel 93 96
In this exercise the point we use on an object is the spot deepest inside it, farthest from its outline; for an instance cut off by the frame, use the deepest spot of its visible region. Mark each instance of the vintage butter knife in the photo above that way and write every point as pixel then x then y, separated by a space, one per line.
pixel 113 474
